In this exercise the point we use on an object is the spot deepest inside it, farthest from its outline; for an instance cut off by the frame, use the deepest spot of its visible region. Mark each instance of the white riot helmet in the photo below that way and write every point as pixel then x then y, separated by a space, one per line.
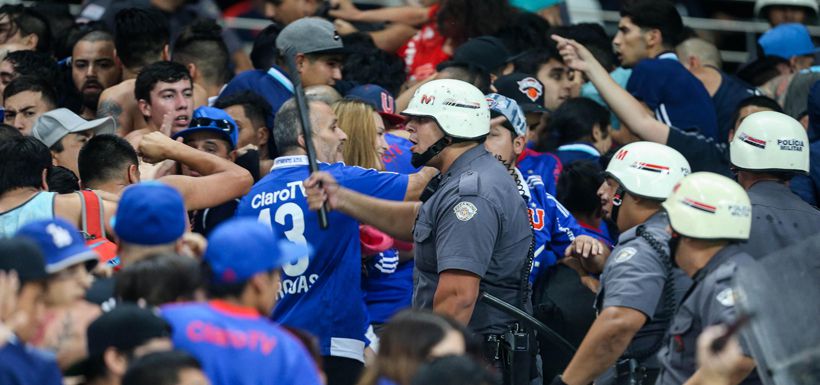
pixel 770 141
pixel 705 205
pixel 760 5
pixel 648 170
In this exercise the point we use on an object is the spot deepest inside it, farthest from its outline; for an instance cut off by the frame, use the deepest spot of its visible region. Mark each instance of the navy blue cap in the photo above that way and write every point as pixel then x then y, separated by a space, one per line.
pixel 380 99
pixel 213 120
pixel 60 242
pixel 23 256
pixel 240 248
pixel 150 213
pixel 487 53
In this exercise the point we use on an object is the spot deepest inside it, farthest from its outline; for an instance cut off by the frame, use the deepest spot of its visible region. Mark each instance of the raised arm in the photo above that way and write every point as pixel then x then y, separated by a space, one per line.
pixel 628 109
pixel 412 16
pixel 394 218
pixel 221 179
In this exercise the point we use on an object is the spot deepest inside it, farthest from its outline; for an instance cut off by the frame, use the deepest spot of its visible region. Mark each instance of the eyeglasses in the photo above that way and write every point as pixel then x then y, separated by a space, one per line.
pixel 222 124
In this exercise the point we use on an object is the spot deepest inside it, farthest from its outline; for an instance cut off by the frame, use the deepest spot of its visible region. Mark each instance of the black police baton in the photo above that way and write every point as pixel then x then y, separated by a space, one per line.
pixel 302 107
pixel 513 311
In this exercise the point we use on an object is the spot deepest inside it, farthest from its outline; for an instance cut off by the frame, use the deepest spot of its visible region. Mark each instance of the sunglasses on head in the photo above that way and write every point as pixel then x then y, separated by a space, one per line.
pixel 222 124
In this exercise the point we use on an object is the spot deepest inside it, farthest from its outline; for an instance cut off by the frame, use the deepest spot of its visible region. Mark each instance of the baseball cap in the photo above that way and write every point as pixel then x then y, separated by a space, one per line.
pixel 260 250
pixel 60 242
pixel 380 99
pixel 526 90
pixel 55 124
pixel 787 40
pixel 501 105
pixel 214 120
pixel 150 213
pixel 311 35
pixel 487 53
pixel 23 256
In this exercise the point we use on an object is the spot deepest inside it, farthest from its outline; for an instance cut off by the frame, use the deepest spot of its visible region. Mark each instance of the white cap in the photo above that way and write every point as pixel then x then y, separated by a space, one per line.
pixel 760 4
pixel 705 205
pixel 648 169
pixel 458 107
pixel 770 141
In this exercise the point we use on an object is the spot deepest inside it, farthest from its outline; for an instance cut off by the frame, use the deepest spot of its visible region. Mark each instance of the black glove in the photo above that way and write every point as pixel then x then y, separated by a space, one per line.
pixel 557 380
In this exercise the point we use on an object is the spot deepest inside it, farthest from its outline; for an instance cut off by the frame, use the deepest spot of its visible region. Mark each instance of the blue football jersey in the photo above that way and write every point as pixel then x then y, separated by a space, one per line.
pixel 321 294
pixel 398 155
pixel 543 166
pixel 388 287
pixel 238 346
pixel 553 225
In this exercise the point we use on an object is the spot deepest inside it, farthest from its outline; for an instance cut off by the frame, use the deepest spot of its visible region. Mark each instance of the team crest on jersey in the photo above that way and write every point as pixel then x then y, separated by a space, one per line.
pixel 531 87
pixel 726 297
pixel 626 254
pixel 465 211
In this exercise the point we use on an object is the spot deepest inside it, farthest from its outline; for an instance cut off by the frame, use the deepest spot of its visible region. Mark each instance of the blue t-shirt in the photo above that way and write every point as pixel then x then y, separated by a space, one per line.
pixel 321 294
pixel 542 165
pixel 21 364
pixel 388 287
pixel 398 155
pixel 675 96
pixel 238 346
pixel 553 226
pixel 728 96
pixel 571 152
pixel 273 85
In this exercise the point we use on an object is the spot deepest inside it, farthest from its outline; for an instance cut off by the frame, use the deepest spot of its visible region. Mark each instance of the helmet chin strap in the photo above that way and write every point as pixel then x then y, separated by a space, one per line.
pixel 617 200
pixel 418 160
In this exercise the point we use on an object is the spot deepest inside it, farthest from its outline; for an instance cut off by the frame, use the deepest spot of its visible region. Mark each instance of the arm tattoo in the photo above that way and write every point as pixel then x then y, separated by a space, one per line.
pixel 108 108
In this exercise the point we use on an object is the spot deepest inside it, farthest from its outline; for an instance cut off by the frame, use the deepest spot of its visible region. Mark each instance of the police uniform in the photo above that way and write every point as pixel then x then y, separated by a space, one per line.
pixel 710 301
pixel 779 219
pixel 634 276
pixel 475 222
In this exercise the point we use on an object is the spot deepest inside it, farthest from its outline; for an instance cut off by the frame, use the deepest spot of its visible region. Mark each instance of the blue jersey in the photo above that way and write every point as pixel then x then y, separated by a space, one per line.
pixel 321 294
pixel 553 226
pixel 398 155
pixel 21 364
pixel 543 166
pixel 571 152
pixel 236 345
pixel 388 287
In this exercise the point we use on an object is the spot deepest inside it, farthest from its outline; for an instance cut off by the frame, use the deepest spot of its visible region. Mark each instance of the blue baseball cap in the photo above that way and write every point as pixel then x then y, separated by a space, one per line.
pixel 214 120
pixel 501 105
pixel 380 99
pixel 150 213
pixel 240 248
pixel 60 242
pixel 786 41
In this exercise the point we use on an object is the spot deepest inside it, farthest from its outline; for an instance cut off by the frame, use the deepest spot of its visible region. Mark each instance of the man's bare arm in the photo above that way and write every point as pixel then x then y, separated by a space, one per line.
pixel 394 218
pixel 456 294
pixel 110 107
pixel 628 109
pixel 221 180
pixel 417 182
pixel 605 341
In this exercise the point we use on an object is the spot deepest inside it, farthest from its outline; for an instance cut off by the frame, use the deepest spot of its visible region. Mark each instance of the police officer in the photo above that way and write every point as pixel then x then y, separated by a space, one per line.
pixel 472 233
pixel 767 150
pixel 708 214
pixel 639 286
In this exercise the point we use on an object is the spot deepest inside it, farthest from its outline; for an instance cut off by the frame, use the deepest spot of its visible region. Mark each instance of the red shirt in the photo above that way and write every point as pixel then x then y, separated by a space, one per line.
pixel 424 51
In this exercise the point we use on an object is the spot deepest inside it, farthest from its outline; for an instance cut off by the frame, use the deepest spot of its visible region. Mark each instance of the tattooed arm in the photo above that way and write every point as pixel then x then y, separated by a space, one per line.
pixel 110 107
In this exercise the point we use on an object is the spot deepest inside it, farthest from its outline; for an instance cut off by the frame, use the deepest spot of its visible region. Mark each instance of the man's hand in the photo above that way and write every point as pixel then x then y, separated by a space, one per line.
pixel 717 368
pixel 575 55
pixel 321 187
pixel 193 245
pixel 591 252
pixel 155 147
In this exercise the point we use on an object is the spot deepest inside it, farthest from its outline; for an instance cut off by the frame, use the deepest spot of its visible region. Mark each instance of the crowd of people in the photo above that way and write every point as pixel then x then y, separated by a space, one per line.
pixel 450 192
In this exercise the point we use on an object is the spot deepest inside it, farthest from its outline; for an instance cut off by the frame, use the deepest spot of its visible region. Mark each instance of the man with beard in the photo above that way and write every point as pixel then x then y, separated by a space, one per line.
pixel 94 67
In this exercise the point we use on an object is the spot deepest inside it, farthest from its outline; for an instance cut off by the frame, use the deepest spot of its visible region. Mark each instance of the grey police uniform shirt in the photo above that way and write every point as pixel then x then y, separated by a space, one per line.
pixel 633 277
pixel 779 219
pixel 476 221
pixel 710 301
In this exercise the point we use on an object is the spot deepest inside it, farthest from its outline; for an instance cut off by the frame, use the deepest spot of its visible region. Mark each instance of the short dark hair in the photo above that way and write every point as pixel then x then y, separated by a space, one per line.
pixel 22 161
pixel 39 64
pixel 59 18
pixel 264 51
pixel 62 180
pixel 470 74
pixel 371 65
pixel 94 31
pixel 33 84
pixel 8 132
pixel 576 118
pixel 524 32
pixel 220 290
pixel 531 61
pixel 256 108
pixel 159 279
pixel 594 37
pixel 656 14
pixel 161 71
pixel 159 368
pixel 104 158
pixel 28 21
pixel 139 36
pixel 577 187
pixel 201 43
pixel 454 370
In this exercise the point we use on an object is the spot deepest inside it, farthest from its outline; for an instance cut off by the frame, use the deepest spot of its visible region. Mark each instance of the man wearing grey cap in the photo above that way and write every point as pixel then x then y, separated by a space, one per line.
pixel 65 133
pixel 318 49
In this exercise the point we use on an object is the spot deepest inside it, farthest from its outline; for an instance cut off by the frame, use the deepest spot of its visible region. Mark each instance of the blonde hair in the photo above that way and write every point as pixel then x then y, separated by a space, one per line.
pixel 355 118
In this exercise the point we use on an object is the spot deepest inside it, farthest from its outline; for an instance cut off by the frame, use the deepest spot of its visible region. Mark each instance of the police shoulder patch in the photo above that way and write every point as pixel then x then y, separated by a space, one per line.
pixel 726 297
pixel 465 211
pixel 625 254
